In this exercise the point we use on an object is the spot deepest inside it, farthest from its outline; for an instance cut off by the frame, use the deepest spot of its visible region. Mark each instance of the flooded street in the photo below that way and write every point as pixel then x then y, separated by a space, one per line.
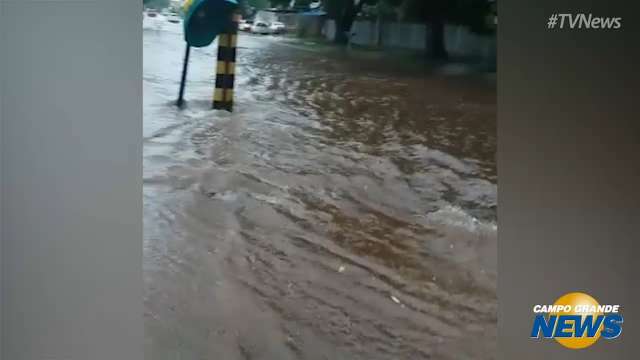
pixel 345 210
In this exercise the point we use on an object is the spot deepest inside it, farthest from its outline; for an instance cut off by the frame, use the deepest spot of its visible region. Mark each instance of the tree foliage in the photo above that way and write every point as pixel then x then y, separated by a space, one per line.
pixel 344 13
pixel 248 8
pixel 472 13
pixel 258 4
pixel 290 3
pixel 158 4
pixel 280 3
pixel 467 12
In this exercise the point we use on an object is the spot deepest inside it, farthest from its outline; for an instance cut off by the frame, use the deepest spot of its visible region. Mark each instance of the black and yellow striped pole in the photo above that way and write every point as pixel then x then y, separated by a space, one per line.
pixel 226 66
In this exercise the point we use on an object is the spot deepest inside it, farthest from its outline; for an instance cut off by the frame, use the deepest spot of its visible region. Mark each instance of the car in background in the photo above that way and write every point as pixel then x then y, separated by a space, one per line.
pixel 261 28
pixel 153 20
pixel 245 25
pixel 174 18
pixel 278 27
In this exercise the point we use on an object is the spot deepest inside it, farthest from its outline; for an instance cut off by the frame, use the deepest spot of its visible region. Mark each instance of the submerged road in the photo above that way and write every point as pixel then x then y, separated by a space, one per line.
pixel 345 210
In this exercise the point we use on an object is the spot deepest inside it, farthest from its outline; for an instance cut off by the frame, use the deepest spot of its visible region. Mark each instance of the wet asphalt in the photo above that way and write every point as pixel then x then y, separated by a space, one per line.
pixel 345 210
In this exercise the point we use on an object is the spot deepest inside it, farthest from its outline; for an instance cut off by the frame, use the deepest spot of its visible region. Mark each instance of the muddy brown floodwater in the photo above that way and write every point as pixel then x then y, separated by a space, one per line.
pixel 345 210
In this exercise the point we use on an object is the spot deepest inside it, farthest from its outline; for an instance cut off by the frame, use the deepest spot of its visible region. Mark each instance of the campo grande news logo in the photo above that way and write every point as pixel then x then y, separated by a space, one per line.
pixel 576 321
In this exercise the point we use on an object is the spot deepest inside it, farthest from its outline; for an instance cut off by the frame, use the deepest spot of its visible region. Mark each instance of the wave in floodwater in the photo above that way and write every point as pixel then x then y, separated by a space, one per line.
pixel 343 210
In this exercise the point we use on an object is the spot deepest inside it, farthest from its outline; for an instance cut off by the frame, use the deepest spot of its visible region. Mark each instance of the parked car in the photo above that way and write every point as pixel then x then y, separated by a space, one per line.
pixel 261 28
pixel 278 27
pixel 245 25
pixel 154 20
pixel 174 18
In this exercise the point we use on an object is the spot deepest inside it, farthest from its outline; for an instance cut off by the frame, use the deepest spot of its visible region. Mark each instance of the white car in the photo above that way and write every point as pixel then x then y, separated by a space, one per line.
pixel 151 13
pixel 174 18
pixel 278 27
pixel 153 20
pixel 245 25
pixel 261 28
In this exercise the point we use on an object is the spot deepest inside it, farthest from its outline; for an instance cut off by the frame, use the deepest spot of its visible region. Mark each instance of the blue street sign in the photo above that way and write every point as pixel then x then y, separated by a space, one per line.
pixel 205 19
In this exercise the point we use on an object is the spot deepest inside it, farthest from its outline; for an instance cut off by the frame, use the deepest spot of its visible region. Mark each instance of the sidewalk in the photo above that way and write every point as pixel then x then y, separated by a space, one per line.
pixel 404 60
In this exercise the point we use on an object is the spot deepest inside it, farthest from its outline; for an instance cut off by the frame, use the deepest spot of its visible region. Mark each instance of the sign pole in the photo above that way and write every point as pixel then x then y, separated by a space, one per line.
pixel 184 76
pixel 225 67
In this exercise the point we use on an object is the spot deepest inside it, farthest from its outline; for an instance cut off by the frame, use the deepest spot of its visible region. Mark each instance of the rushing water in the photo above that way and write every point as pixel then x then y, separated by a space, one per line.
pixel 345 210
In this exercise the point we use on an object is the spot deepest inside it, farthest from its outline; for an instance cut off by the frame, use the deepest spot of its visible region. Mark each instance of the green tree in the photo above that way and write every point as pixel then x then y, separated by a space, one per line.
pixel 157 4
pixel 436 13
pixel 344 13
pixel 286 4
pixel 258 4
pixel 250 7
pixel 302 4
pixel 280 3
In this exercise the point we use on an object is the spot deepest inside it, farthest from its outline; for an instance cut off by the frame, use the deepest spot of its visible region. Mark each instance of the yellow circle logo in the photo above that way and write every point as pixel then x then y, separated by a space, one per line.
pixel 576 321
pixel 577 301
